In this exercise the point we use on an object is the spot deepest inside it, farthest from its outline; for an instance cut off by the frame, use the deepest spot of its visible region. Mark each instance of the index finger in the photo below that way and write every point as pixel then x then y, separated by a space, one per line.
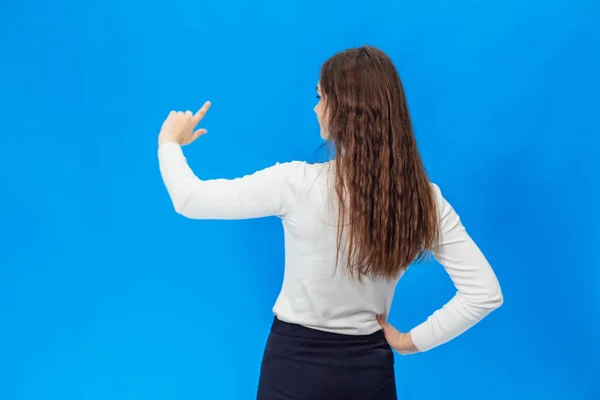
pixel 202 112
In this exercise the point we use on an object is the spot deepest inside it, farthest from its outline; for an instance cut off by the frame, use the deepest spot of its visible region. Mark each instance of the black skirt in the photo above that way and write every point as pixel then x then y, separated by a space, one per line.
pixel 300 363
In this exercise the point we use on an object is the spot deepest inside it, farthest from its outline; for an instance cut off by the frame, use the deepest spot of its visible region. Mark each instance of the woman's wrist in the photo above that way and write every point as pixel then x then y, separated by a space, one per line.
pixel 406 344
pixel 165 138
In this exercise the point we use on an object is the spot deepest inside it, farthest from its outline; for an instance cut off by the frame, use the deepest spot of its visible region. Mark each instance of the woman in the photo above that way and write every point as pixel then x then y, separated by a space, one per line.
pixel 352 227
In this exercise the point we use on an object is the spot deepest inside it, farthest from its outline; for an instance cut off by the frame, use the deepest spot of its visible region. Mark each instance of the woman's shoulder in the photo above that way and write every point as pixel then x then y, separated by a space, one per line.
pixel 300 176
pixel 302 169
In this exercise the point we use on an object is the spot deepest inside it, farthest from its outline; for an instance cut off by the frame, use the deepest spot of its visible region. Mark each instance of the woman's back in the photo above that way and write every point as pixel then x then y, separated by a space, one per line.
pixel 316 293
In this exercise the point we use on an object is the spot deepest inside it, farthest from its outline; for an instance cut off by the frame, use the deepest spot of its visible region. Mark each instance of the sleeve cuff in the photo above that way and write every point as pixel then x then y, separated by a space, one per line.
pixel 422 337
pixel 168 145
pixel 169 150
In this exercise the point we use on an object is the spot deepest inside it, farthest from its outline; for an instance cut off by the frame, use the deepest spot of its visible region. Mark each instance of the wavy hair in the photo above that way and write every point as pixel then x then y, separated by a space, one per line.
pixel 387 202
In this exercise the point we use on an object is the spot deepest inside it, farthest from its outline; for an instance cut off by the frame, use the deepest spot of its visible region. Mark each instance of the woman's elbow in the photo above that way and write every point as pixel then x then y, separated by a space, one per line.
pixel 180 209
pixel 494 297
pixel 181 206
pixel 190 207
pixel 497 299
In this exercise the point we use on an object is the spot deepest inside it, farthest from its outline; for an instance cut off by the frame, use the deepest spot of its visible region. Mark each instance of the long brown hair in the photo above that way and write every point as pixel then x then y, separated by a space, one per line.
pixel 386 199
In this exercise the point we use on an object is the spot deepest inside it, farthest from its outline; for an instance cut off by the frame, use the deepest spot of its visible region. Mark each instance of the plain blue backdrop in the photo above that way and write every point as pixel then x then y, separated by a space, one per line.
pixel 106 293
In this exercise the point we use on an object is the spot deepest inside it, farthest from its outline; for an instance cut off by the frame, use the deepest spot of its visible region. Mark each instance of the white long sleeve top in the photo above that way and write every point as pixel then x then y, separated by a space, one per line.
pixel 315 293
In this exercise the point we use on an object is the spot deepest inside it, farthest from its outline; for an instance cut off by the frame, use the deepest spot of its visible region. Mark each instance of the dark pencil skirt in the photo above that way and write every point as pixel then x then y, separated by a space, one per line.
pixel 300 363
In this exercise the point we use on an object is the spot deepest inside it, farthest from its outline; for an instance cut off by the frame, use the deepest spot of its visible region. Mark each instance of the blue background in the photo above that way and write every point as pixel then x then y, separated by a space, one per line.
pixel 106 293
